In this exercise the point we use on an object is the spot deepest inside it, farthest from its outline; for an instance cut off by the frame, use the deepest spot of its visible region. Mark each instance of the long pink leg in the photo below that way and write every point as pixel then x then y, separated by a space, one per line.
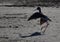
pixel 44 27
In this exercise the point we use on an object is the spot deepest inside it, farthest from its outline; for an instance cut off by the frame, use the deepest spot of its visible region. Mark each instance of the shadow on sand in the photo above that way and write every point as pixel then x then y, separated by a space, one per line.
pixel 33 34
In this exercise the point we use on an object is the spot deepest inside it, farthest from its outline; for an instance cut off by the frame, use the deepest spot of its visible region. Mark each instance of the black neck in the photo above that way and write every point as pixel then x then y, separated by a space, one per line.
pixel 39 10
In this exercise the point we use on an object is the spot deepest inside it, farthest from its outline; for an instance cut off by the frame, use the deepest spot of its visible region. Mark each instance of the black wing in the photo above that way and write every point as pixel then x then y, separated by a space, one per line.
pixel 34 16
pixel 45 17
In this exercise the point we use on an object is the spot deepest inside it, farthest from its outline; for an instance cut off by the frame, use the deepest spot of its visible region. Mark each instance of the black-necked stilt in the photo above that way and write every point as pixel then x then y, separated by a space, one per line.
pixel 44 18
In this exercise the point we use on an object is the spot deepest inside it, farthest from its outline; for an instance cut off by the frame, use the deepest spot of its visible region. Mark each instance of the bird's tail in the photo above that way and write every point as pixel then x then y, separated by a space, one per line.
pixel 50 20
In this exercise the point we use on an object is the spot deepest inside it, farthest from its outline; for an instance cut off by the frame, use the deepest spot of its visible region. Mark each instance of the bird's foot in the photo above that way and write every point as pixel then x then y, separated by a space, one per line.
pixel 42 33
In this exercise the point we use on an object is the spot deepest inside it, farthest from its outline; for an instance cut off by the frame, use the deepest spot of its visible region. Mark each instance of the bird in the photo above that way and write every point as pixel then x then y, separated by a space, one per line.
pixel 43 18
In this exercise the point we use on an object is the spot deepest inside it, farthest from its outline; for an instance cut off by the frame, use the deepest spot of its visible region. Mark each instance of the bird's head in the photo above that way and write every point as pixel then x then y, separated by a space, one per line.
pixel 38 8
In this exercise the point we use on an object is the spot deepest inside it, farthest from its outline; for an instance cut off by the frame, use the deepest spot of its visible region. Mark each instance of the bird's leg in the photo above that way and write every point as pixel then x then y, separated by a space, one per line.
pixel 44 27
